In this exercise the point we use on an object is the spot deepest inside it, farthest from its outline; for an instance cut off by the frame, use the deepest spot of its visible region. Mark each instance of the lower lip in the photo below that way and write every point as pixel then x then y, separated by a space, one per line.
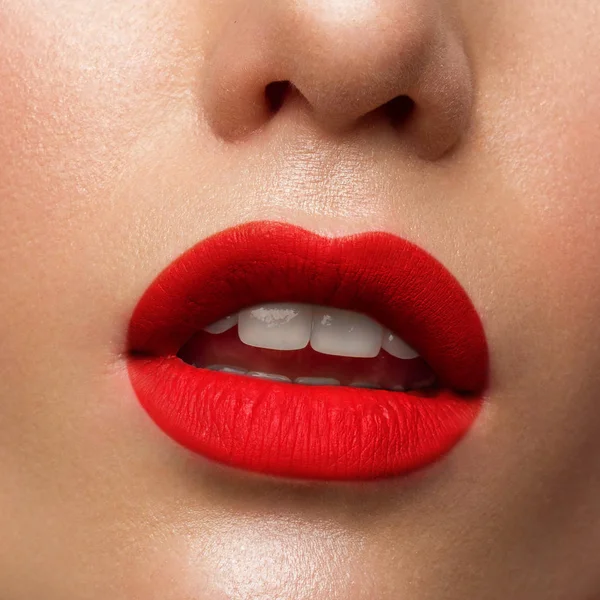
pixel 292 430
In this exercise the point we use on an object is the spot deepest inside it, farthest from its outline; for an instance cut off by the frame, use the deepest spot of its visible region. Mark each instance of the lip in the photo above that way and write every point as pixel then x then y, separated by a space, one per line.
pixel 311 432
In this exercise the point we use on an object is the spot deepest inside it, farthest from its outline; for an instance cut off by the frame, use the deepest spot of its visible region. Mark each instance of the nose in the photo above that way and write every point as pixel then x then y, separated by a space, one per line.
pixel 398 60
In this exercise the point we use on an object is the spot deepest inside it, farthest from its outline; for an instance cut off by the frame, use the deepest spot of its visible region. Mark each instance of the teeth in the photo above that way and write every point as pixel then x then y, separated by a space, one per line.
pixel 316 381
pixel 396 347
pixel 292 326
pixel 424 383
pixel 345 333
pixel 223 325
pixel 226 369
pixel 268 376
pixel 276 326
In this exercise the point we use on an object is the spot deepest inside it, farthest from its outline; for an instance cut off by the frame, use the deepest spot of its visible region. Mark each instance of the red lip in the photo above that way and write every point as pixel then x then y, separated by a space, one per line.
pixel 302 431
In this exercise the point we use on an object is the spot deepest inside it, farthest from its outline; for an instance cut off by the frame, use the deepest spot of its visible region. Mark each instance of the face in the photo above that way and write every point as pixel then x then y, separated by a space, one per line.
pixel 132 130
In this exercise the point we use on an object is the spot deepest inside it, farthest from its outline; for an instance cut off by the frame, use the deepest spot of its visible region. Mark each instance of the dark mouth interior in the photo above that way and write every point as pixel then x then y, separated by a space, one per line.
pixel 225 352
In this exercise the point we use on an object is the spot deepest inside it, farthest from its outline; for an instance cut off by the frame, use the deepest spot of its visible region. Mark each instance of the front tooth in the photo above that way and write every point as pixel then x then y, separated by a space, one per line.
pixel 317 381
pixel 269 376
pixel 345 333
pixel 397 347
pixel 222 325
pixel 283 326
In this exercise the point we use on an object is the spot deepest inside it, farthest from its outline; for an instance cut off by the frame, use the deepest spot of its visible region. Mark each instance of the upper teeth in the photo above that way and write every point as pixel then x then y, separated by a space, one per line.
pixel 289 326
pixel 222 325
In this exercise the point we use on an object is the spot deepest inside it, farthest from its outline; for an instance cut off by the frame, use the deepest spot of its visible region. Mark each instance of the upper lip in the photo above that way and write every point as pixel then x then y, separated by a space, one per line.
pixel 421 301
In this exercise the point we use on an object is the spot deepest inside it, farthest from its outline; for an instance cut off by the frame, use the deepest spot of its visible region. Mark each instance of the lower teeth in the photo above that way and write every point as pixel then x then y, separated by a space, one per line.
pixel 307 380
pixel 268 376
pixel 316 381
pixel 226 369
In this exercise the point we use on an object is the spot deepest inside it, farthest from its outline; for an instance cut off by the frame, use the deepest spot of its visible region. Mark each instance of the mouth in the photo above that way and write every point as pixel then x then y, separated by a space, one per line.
pixel 272 349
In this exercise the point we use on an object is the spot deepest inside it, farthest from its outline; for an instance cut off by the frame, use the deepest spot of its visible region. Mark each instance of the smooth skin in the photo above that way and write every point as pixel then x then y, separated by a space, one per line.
pixel 132 129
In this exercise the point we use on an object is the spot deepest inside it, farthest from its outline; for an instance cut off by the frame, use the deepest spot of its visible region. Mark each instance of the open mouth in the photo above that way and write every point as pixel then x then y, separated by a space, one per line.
pixel 272 349
pixel 309 345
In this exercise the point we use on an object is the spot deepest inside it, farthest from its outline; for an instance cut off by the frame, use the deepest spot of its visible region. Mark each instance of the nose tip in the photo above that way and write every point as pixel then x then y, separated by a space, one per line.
pixel 400 60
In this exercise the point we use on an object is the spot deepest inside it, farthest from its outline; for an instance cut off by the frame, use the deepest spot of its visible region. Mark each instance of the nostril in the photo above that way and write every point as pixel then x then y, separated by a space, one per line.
pixel 399 109
pixel 275 94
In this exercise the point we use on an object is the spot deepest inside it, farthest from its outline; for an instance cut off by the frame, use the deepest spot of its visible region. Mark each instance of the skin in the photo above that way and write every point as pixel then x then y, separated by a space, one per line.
pixel 131 129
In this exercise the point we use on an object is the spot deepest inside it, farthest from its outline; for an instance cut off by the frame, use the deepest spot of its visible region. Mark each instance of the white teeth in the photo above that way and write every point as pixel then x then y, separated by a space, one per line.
pixel 236 371
pixel 292 326
pixel 276 326
pixel 222 325
pixel 397 347
pixel 424 383
pixel 316 381
pixel 226 369
pixel 345 333
pixel 268 376
pixel 321 381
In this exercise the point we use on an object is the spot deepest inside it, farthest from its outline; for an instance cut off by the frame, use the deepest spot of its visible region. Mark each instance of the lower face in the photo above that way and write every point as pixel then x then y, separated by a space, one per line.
pixel 109 175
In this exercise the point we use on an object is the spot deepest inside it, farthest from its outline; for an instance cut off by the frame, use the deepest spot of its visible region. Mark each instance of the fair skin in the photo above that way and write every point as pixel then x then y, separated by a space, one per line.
pixel 133 129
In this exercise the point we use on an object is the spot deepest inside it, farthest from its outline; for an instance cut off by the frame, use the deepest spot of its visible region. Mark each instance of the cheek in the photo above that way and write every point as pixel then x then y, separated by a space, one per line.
pixel 81 89
pixel 541 131
pixel 84 89
pixel 559 217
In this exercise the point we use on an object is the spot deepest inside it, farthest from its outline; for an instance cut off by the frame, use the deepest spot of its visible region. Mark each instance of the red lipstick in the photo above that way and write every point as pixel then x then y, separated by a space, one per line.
pixel 293 430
